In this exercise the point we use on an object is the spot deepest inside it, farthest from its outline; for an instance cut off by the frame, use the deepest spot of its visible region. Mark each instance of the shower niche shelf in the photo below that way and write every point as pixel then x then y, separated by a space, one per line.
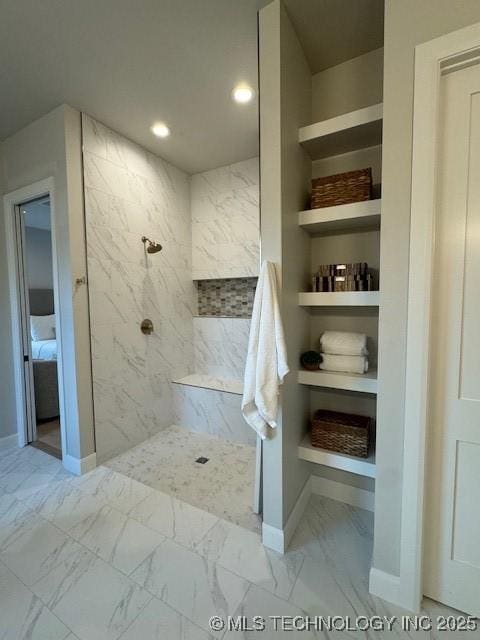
pixel 205 381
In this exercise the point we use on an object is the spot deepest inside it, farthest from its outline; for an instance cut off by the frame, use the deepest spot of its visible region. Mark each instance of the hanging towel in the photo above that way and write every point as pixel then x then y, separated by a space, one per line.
pixel 266 364
pixel 343 343
pixel 345 364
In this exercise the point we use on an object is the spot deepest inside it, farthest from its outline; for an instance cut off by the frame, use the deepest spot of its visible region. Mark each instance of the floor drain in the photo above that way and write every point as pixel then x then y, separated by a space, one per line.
pixel 201 460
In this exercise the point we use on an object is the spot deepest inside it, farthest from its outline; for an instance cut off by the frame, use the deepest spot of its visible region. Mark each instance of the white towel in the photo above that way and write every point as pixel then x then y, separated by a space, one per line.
pixel 345 364
pixel 344 343
pixel 266 364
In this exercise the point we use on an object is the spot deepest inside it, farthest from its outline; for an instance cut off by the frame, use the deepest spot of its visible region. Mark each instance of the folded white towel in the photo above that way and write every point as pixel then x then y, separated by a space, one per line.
pixel 266 364
pixel 344 343
pixel 345 364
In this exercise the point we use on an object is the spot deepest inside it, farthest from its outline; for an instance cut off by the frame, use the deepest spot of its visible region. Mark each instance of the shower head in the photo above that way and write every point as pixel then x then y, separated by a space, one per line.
pixel 152 247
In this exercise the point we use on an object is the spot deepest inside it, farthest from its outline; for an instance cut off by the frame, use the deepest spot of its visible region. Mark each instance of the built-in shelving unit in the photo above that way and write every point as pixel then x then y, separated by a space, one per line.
pixel 361 383
pixel 324 140
pixel 360 466
pixel 339 299
pixel 344 218
pixel 349 132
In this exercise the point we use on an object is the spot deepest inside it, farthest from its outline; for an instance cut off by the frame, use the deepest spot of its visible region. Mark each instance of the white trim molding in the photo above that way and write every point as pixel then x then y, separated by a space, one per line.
pixel 431 60
pixel 12 200
pixel 79 466
pixel 279 539
pixel 343 493
pixel 384 585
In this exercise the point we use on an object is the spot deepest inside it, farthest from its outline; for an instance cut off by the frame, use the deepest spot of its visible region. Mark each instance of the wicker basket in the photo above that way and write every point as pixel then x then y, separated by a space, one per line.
pixel 342 188
pixel 342 432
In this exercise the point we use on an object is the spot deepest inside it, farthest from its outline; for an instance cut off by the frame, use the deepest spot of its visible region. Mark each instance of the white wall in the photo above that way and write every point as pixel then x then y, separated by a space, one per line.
pixel 225 221
pixel 285 105
pixel 407 24
pixel 7 390
pixel 129 193
pixel 50 147
pixel 354 84
pixel 39 258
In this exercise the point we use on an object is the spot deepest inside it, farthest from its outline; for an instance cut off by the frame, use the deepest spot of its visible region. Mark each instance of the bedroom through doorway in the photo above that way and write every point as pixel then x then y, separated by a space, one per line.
pixel 34 249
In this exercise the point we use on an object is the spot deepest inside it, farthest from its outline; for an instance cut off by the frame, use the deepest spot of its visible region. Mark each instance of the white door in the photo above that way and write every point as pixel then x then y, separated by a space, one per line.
pixel 452 534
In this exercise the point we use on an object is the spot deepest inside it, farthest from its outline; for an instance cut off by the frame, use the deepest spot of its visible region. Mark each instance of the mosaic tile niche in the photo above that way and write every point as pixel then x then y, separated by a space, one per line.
pixel 227 298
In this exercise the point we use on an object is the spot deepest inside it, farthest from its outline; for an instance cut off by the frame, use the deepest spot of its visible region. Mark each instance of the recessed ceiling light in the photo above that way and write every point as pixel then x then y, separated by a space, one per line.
pixel 242 93
pixel 160 130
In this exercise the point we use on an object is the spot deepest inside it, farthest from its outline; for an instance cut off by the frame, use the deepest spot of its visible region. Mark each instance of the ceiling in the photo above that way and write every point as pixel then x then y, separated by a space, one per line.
pixel 129 63
pixel 333 31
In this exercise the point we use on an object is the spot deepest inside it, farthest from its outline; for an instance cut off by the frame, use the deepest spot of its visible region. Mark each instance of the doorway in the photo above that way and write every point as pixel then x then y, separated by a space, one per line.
pixel 35 234
pixel 34 293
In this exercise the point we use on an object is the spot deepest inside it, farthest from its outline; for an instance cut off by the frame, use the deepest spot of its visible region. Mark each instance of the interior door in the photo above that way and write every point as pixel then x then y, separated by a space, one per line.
pixel 452 541
pixel 24 311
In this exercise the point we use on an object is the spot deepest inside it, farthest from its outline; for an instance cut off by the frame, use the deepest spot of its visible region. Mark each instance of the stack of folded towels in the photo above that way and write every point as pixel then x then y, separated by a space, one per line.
pixel 343 351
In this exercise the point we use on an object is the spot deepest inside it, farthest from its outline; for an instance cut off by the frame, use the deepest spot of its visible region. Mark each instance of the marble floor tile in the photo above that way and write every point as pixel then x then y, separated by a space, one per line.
pixel 223 486
pixel 119 540
pixel 13 513
pixel 35 548
pixel 173 518
pixel 158 621
pixel 259 602
pixel 23 616
pixel 195 587
pixel 119 490
pixel 322 589
pixel 65 505
pixel 333 531
pixel 242 552
pixel 93 599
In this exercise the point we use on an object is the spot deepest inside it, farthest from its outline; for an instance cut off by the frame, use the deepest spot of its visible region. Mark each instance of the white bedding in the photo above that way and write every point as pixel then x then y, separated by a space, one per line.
pixel 44 349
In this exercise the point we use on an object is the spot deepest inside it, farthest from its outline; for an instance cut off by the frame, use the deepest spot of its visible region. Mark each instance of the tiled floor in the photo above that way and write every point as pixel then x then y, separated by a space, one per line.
pixel 106 557
pixel 223 486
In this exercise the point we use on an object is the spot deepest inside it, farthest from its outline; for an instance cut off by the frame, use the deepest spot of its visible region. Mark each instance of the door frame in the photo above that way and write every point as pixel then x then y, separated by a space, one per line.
pixel 11 201
pixel 447 53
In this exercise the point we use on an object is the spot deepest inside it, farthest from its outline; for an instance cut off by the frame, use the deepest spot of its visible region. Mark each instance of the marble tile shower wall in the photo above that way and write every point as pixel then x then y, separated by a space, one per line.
pixel 129 192
pixel 225 221
pixel 221 346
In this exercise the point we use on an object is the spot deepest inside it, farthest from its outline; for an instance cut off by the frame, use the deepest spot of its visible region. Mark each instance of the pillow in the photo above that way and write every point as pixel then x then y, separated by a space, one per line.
pixel 42 327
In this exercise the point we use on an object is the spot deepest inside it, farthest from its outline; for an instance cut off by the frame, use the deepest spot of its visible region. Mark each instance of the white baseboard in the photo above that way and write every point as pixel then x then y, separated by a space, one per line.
pixel 9 441
pixel 385 585
pixel 278 539
pixel 273 538
pixel 79 466
pixel 343 492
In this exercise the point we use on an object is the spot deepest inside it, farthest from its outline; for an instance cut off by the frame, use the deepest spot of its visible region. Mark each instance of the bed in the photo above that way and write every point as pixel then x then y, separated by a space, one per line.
pixel 44 357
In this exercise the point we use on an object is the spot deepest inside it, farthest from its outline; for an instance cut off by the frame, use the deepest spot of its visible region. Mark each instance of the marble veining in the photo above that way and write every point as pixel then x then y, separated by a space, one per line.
pixel 138 563
pixel 129 192
pixel 225 221
pixel 166 462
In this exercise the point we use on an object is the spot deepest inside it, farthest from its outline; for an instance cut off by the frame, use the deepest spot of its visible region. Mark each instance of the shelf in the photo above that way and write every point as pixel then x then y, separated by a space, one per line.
pixel 204 381
pixel 349 132
pixel 345 217
pixel 360 466
pixel 362 383
pixel 340 299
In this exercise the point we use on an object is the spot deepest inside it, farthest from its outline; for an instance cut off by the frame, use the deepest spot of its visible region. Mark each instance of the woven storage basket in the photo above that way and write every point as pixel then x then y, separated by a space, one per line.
pixel 342 432
pixel 342 188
